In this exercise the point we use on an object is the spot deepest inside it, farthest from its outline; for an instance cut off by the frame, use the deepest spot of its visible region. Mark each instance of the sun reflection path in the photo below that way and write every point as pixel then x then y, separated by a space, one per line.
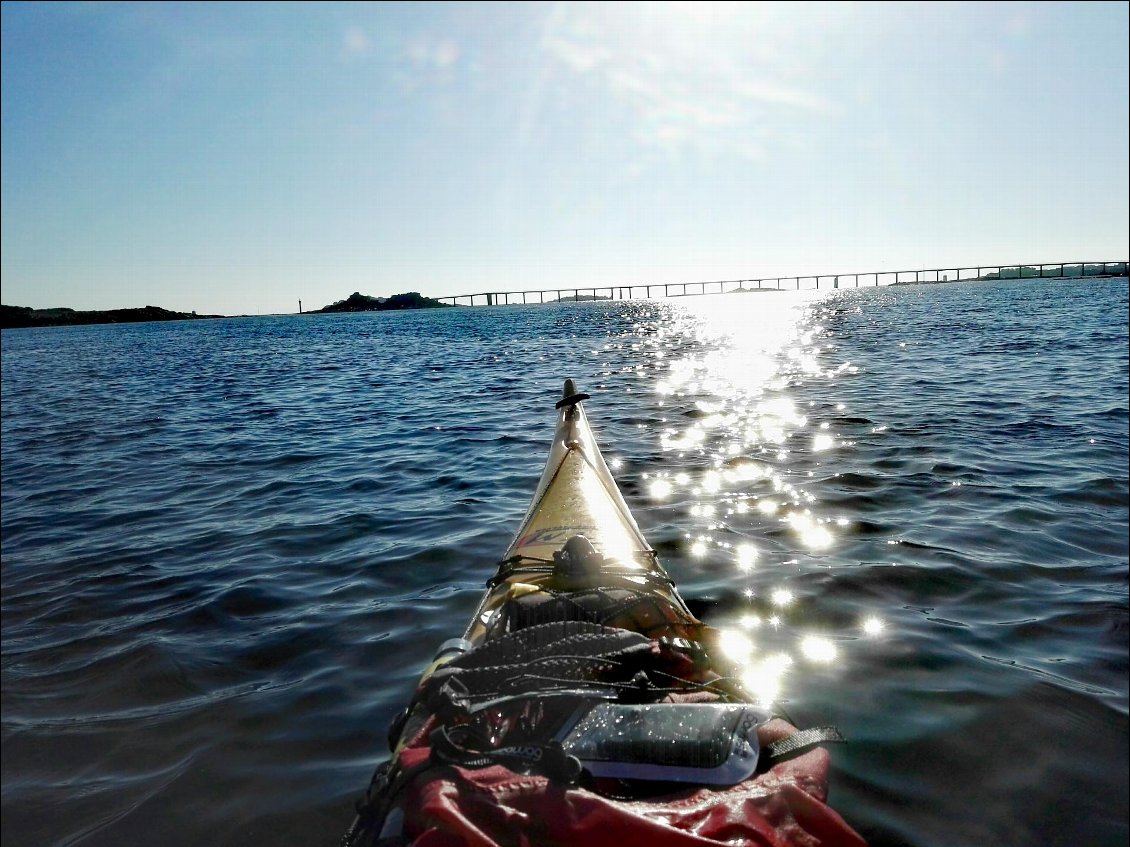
pixel 729 383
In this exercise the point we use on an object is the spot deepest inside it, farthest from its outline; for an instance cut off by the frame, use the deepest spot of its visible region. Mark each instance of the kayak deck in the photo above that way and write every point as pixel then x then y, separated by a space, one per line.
pixel 578 511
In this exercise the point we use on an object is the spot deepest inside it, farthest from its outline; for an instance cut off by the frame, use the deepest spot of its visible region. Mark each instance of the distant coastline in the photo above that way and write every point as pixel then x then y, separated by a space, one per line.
pixel 22 317
pixel 1111 269
pixel 15 317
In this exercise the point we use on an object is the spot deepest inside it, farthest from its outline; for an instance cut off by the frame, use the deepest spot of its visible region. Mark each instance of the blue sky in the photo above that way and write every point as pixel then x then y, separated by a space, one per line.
pixel 236 159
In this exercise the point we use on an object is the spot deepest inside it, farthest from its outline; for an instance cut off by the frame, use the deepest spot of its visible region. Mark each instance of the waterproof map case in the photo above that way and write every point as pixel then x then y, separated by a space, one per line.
pixel 704 743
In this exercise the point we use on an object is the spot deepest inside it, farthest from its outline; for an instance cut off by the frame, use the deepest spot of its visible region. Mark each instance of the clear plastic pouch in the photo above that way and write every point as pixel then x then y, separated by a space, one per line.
pixel 704 743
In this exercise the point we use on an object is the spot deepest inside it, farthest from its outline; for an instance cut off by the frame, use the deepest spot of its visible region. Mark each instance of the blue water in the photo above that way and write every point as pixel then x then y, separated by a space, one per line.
pixel 229 547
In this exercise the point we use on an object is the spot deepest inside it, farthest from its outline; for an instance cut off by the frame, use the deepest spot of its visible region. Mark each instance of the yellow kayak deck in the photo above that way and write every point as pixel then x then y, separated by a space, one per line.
pixel 578 533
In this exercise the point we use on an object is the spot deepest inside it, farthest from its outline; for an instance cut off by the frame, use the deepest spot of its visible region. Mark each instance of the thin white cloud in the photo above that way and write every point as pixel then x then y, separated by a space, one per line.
pixel 771 92
pixel 575 54
pixel 356 42
pixel 428 51
pixel 679 93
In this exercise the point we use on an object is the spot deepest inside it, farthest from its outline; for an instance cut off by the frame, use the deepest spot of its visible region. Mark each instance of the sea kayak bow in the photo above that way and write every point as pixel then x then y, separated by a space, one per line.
pixel 585 703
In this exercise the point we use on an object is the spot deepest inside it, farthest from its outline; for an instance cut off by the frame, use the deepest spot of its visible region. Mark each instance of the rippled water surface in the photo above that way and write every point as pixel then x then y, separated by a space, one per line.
pixel 229 547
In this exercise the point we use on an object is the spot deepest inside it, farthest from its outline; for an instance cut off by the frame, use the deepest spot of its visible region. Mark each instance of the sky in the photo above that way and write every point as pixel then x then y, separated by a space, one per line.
pixel 233 158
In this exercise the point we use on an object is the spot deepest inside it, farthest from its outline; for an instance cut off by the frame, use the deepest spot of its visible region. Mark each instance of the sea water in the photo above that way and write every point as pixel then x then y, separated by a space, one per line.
pixel 230 546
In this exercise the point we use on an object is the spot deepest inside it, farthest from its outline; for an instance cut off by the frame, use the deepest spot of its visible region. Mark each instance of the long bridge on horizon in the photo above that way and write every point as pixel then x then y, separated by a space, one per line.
pixel 644 291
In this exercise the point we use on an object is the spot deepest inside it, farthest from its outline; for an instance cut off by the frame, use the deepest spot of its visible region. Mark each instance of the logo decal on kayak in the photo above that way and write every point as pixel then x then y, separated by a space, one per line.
pixel 527 752
pixel 553 536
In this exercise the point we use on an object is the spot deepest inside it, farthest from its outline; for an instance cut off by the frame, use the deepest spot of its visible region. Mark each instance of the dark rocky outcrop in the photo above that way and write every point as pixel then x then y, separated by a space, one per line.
pixel 358 302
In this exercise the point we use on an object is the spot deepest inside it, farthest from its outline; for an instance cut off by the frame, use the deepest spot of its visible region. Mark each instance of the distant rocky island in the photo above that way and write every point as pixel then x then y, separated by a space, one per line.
pixel 582 298
pixel 358 302
pixel 12 317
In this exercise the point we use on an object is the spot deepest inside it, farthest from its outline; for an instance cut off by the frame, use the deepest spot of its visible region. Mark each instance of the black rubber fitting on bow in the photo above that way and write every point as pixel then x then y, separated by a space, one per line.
pixel 571 400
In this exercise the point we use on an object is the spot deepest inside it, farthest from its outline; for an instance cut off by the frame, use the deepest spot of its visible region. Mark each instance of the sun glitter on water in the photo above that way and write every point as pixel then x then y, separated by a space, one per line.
pixel 727 384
